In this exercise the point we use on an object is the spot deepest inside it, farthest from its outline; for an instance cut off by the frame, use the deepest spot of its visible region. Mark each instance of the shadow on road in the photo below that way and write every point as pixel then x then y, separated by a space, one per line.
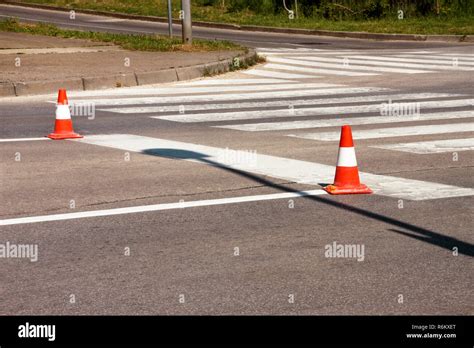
pixel 422 234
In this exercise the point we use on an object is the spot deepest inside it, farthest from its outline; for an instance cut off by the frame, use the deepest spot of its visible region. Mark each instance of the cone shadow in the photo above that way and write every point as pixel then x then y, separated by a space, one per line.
pixel 431 237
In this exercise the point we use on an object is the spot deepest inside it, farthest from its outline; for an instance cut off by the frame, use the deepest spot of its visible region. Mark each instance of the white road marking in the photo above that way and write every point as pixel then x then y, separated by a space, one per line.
pixel 309 54
pixel 276 74
pixel 286 112
pixel 296 52
pixel 314 92
pixel 278 167
pixel 392 132
pixel 378 61
pixel 447 60
pixel 233 82
pixel 290 54
pixel 21 139
pixel 459 55
pixel 179 89
pixel 354 121
pixel 427 147
pixel 158 207
pixel 279 102
pixel 418 52
pixel 337 63
pixel 310 70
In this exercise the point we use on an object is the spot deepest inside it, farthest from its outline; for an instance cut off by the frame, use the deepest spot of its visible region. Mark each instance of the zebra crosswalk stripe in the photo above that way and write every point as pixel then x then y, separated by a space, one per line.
pixel 354 121
pixel 277 74
pixel 250 115
pixel 392 132
pixel 310 70
pixel 294 52
pixel 338 63
pixel 278 167
pixel 434 59
pixel 241 96
pixel 180 89
pixel 368 60
pixel 428 147
pixel 279 102
pixel 233 82
pixel 412 59
pixel 459 55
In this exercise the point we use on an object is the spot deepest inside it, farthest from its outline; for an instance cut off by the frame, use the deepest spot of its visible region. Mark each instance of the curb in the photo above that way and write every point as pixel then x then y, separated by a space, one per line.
pixel 12 89
pixel 340 34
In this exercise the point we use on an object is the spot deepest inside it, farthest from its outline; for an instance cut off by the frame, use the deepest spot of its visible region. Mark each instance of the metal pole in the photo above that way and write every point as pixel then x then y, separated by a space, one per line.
pixel 186 23
pixel 170 19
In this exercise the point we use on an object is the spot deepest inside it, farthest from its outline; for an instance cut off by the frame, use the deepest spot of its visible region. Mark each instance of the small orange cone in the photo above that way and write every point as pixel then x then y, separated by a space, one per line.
pixel 347 174
pixel 63 125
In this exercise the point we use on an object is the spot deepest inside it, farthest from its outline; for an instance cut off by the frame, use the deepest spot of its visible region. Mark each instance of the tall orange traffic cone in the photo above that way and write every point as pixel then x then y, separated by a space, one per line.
pixel 63 125
pixel 347 174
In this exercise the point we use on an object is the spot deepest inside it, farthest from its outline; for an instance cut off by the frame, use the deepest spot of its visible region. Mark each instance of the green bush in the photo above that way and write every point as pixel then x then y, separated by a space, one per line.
pixel 257 6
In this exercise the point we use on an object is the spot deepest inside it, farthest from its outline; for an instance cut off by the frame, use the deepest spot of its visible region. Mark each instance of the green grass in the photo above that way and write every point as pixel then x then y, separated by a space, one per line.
pixel 129 42
pixel 428 25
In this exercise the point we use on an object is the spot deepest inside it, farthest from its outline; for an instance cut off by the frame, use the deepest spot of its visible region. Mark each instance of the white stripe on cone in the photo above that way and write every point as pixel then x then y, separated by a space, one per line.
pixel 346 157
pixel 62 112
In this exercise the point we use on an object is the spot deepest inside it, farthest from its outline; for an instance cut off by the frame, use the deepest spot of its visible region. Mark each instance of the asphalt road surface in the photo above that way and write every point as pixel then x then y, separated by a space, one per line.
pixel 204 197
pixel 255 39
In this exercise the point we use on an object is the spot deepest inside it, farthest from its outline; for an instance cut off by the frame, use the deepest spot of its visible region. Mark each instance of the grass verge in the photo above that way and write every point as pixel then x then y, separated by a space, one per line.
pixel 129 42
pixel 428 25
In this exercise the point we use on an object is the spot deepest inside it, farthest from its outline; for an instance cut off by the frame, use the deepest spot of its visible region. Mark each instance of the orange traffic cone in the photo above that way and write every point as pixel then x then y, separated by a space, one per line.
pixel 347 174
pixel 63 125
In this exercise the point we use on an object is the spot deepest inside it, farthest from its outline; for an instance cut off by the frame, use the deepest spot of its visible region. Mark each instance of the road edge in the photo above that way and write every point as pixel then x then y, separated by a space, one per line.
pixel 316 32
pixel 86 83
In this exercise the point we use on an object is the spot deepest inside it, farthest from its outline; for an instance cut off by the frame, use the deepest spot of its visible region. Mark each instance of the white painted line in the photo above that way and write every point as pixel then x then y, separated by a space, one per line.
pixel 354 121
pixel 158 207
pixel 441 59
pixel 392 132
pixel 310 70
pixel 427 147
pixel 290 54
pixel 233 82
pixel 296 52
pixel 460 55
pixel 21 139
pixel 276 74
pixel 278 102
pixel 378 61
pixel 321 110
pixel 430 60
pixel 309 54
pixel 165 91
pixel 278 167
pixel 314 92
pixel 337 52
pixel 419 52
pixel 338 63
